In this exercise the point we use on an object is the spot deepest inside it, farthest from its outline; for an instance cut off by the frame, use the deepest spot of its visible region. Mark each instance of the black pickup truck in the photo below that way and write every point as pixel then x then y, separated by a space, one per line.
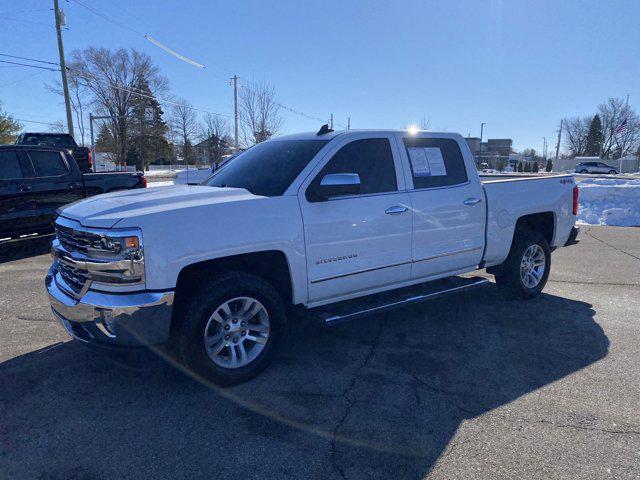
pixel 35 181
pixel 59 140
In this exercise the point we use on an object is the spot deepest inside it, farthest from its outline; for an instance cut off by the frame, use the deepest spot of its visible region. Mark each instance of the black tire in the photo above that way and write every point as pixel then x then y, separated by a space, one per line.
pixel 187 340
pixel 584 171
pixel 508 277
pixel 612 172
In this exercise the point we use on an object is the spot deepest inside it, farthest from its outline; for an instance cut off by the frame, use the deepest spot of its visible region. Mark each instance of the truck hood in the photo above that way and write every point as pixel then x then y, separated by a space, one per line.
pixel 105 211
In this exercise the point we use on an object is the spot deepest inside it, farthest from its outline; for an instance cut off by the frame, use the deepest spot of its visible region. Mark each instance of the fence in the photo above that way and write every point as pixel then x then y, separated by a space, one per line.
pixel 175 168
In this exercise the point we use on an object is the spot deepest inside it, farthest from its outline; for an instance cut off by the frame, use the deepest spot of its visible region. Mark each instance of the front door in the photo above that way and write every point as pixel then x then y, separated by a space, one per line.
pixel 448 206
pixel 14 193
pixel 358 243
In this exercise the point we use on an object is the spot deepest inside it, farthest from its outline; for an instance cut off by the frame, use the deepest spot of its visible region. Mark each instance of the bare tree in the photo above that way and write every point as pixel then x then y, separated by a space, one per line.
pixel 620 128
pixel 58 126
pixel 184 122
pixel 112 77
pixel 259 113
pixel 79 95
pixel 215 137
pixel 576 131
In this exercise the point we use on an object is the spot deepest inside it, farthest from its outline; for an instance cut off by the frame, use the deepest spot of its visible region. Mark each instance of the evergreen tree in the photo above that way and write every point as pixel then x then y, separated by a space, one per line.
pixel 549 166
pixel 594 137
pixel 527 167
pixel 536 167
pixel 9 127
pixel 147 130
pixel 520 168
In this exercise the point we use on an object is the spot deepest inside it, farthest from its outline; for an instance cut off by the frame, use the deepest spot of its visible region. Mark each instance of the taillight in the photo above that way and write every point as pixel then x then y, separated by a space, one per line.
pixel 144 181
pixel 576 191
pixel 90 159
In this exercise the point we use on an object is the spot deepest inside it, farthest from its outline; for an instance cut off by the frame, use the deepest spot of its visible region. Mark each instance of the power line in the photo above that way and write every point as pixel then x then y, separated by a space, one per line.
pixel 35 121
pixel 20 79
pixel 11 12
pixel 106 17
pixel 32 66
pixel 29 59
pixel 27 21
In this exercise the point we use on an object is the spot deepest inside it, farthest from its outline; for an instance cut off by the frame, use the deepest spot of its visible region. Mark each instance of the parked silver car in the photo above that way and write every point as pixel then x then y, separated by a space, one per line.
pixel 595 167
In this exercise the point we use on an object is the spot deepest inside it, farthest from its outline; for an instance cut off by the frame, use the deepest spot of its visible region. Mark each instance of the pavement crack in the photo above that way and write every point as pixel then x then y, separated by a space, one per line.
pixel 610 245
pixel 351 403
pixel 570 426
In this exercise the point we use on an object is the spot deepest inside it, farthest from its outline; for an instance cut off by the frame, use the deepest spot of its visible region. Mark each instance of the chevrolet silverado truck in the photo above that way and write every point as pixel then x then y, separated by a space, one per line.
pixel 35 181
pixel 340 224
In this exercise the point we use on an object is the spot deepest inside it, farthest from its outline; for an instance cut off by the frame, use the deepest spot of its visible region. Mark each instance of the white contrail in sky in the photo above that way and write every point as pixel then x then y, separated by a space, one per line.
pixel 172 52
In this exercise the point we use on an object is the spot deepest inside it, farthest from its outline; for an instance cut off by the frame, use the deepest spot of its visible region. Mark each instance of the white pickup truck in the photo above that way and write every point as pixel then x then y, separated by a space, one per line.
pixel 344 224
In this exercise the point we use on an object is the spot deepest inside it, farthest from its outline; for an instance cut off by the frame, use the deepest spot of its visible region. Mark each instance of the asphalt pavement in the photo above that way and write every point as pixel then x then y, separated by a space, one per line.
pixel 472 386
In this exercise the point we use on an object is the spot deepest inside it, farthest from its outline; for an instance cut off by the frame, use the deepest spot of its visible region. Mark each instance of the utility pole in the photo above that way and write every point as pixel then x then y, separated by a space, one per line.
pixel 234 82
pixel 558 144
pixel 544 148
pixel 480 146
pixel 331 122
pixel 63 68
pixel 348 123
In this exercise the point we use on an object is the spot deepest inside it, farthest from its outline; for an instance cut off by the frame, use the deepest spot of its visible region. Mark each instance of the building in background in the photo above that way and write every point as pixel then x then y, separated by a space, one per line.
pixel 494 152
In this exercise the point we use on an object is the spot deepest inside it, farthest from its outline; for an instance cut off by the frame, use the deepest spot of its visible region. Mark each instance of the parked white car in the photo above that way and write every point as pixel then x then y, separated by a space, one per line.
pixel 326 222
pixel 595 167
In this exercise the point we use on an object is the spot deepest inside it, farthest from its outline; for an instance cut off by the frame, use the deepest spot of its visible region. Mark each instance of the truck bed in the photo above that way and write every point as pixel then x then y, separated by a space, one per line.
pixel 510 197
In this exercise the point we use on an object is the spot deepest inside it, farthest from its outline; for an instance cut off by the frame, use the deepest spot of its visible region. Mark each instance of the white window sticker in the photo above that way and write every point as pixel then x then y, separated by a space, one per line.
pixel 419 162
pixel 436 162
pixel 427 162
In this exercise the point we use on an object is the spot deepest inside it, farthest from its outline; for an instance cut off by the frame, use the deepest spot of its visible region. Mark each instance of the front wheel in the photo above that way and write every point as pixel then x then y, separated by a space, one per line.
pixel 526 270
pixel 231 329
pixel 612 172
pixel 584 171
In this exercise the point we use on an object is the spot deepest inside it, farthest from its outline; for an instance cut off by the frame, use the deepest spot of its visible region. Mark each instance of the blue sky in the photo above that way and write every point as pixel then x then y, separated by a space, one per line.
pixel 519 66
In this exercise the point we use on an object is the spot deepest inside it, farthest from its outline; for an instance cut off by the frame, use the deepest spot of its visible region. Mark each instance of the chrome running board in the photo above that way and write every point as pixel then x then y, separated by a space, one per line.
pixel 386 301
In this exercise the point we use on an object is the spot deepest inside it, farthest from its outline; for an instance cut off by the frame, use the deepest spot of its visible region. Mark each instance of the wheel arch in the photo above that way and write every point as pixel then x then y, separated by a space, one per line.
pixel 271 265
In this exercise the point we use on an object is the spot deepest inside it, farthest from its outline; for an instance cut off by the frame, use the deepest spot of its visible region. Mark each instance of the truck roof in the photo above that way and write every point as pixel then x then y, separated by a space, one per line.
pixel 336 133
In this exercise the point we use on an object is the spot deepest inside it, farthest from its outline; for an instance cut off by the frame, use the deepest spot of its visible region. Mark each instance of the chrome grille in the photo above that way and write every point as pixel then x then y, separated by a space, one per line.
pixel 75 278
pixel 76 240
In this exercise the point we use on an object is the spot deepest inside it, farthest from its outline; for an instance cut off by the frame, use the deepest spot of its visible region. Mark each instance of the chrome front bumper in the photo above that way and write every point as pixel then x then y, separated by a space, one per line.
pixel 112 319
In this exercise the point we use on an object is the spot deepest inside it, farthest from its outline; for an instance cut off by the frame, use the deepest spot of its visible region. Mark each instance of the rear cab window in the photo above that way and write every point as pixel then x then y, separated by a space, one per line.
pixel 48 163
pixel 435 162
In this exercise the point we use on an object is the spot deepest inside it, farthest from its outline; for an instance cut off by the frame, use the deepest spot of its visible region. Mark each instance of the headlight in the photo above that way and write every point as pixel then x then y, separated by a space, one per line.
pixel 116 258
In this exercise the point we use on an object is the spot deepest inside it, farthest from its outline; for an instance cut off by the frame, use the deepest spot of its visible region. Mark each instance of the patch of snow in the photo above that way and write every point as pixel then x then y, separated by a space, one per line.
pixel 167 183
pixel 609 201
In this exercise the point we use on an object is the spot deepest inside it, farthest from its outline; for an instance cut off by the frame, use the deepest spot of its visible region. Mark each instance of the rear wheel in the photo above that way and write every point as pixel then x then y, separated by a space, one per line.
pixel 584 171
pixel 526 270
pixel 612 172
pixel 231 329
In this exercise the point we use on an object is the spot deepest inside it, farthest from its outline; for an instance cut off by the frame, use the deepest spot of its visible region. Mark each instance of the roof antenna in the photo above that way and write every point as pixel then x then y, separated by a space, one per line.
pixel 324 129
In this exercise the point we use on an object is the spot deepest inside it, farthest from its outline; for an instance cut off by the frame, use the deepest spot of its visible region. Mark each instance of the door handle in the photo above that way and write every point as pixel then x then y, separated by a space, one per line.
pixel 396 210
pixel 472 201
pixel 24 188
pixel 74 185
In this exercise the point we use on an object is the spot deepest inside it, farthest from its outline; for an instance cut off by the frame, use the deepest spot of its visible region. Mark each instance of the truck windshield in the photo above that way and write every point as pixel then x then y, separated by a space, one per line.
pixel 268 168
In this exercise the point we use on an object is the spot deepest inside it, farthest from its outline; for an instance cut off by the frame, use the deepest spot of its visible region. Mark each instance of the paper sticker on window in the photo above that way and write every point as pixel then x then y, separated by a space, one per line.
pixel 427 162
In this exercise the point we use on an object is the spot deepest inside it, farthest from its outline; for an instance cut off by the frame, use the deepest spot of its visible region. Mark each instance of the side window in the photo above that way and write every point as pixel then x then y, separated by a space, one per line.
pixel 9 165
pixel 371 159
pixel 48 164
pixel 435 162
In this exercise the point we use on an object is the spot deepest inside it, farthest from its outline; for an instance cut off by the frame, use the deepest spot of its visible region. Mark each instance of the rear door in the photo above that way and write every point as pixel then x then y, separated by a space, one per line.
pixel 358 243
pixel 448 204
pixel 14 193
pixel 54 182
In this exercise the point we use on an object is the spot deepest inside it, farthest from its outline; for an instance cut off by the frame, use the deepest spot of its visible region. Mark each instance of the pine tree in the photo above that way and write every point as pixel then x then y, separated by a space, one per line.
pixel 549 166
pixel 527 167
pixel 9 127
pixel 147 142
pixel 536 167
pixel 594 137
pixel 520 168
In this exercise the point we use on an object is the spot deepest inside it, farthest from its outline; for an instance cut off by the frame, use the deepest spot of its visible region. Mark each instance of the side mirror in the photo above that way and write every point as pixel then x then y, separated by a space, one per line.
pixel 338 184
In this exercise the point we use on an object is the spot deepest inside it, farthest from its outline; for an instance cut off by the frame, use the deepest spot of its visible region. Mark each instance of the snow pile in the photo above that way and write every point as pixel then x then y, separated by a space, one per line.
pixel 608 201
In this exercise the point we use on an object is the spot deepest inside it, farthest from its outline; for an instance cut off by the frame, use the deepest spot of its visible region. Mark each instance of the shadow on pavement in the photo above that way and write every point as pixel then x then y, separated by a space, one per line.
pixel 17 250
pixel 379 398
